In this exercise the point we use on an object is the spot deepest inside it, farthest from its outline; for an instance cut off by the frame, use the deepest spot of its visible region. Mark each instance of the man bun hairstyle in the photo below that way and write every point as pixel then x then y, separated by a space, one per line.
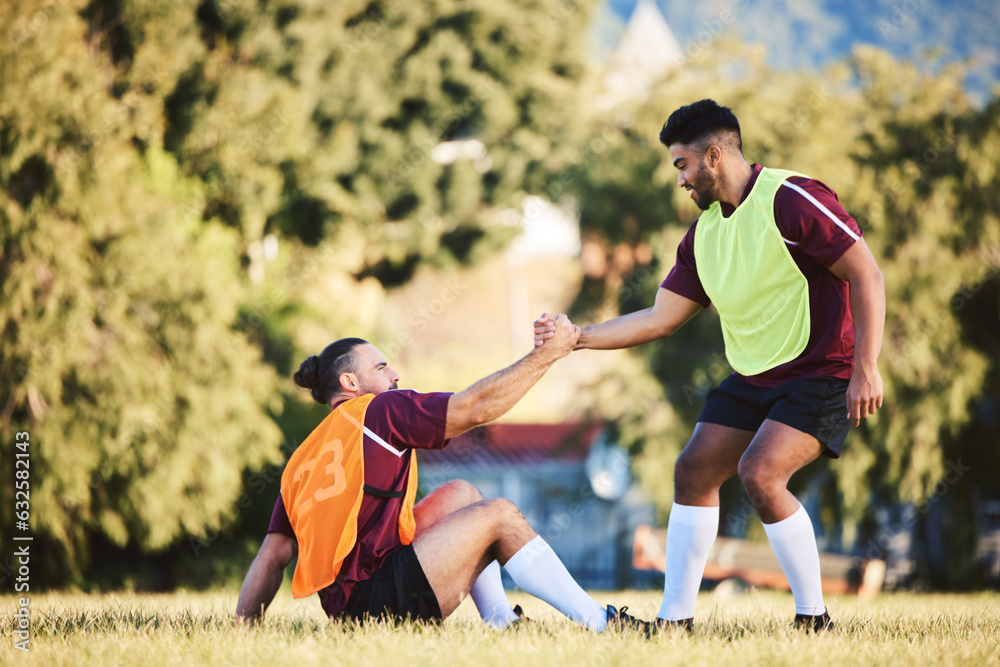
pixel 697 125
pixel 321 374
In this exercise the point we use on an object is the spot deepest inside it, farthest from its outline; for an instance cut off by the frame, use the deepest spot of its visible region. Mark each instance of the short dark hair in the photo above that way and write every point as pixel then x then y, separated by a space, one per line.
pixel 321 374
pixel 696 124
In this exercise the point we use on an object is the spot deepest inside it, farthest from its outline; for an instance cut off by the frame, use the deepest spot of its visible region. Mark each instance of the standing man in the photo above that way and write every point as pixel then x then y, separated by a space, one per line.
pixel 802 307
pixel 346 505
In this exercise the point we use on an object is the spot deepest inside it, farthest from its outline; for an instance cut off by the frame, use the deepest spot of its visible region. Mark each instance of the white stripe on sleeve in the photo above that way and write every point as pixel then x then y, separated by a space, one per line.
pixel 374 436
pixel 824 209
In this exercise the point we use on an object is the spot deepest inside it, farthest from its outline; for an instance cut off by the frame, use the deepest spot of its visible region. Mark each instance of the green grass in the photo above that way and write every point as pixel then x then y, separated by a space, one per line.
pixel 748 629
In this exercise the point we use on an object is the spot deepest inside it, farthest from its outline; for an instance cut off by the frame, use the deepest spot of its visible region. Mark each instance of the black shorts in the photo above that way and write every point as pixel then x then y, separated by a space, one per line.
pixel 817 406
pixel 399 590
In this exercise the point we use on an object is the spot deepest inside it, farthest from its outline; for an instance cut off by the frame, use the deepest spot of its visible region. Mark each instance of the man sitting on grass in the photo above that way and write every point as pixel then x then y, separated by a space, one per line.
pixel 346 504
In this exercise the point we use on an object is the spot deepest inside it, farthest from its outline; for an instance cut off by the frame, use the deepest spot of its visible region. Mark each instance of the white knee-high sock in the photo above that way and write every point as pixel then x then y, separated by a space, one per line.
pixel 690 534
pixel 536 569
pixel 794 543
pixel 491 599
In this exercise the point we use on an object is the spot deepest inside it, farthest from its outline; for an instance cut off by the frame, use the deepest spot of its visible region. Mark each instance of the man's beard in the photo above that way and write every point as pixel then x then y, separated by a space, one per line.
pixel 368 389
pixel 704 189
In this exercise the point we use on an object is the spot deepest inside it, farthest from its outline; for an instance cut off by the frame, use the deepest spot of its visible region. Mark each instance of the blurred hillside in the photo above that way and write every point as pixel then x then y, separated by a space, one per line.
pixel 814 35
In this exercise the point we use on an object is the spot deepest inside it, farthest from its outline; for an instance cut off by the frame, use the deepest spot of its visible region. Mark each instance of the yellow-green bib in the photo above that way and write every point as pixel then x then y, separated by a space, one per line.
pixel 748 273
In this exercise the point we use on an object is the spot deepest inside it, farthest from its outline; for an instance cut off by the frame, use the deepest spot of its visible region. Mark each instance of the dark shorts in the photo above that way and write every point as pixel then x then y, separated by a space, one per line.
pixel 399 590
pixel 817 406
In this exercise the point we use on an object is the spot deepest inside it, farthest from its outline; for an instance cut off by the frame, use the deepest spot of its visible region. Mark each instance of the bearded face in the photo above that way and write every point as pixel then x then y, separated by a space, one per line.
pixel 376 385
pixel 372 372
pixel 703 188
pixel 695 174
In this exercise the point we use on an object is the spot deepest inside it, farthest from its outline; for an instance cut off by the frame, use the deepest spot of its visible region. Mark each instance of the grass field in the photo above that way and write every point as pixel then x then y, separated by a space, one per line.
pixel 747 629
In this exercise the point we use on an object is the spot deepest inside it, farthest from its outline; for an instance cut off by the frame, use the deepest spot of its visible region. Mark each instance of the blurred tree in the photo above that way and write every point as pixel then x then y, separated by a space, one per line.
pixel 926 174
pixel 154 155
pixel 118 353
pixel 409 125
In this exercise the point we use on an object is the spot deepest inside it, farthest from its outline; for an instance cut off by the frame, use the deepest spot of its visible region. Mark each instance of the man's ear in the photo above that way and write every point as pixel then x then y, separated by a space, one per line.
pixel 348 381
pixel 714 156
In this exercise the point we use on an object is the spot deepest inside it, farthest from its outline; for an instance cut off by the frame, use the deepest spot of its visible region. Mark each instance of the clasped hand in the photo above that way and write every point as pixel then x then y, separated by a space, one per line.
pixel 556 332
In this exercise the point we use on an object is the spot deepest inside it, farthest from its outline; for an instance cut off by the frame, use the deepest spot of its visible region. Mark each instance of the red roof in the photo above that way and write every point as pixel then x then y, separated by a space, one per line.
pixel 516 444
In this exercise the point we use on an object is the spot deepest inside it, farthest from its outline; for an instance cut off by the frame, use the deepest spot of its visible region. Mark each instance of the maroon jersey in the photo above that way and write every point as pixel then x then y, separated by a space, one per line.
pixel 404 420
pixel 817 231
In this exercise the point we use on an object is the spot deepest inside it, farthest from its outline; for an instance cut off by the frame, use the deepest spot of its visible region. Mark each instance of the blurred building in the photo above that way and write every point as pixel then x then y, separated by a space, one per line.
pixel 572 485
pixel 646 51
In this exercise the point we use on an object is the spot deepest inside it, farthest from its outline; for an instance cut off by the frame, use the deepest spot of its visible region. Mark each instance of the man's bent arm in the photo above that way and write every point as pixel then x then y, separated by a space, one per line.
pixel 664 317
pixel 858 267
pixel 264 577
pixel 494 395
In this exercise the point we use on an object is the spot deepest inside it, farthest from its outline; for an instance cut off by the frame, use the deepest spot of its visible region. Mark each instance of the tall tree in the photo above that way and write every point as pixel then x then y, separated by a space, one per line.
pixel 118 353
pixel 154 156
pixel 324 121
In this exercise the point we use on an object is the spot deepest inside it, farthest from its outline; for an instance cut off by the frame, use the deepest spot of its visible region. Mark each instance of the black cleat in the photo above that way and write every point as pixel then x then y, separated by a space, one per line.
pixel 821 623
pixel 619 620
pixel 662 624
pixel 522 620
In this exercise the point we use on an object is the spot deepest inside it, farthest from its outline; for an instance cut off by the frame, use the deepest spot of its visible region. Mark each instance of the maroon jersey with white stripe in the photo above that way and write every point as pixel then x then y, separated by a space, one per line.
pixel 818 231
pixel 396 422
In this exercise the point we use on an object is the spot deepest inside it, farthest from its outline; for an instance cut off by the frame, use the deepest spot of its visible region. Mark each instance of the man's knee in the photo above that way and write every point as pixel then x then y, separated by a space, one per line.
pixel 689 471
pixel 684 467
pixel 759 480
pixel 460 493
pixel 504 512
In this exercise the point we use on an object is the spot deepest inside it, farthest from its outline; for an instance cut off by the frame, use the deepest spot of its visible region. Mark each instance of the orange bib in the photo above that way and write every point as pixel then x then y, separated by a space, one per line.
pixel 322 487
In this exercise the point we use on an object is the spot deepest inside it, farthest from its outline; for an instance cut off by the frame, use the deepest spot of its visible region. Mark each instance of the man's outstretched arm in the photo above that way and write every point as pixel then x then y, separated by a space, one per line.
pixel 264 577
pixel 494 395
pixel 664 317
